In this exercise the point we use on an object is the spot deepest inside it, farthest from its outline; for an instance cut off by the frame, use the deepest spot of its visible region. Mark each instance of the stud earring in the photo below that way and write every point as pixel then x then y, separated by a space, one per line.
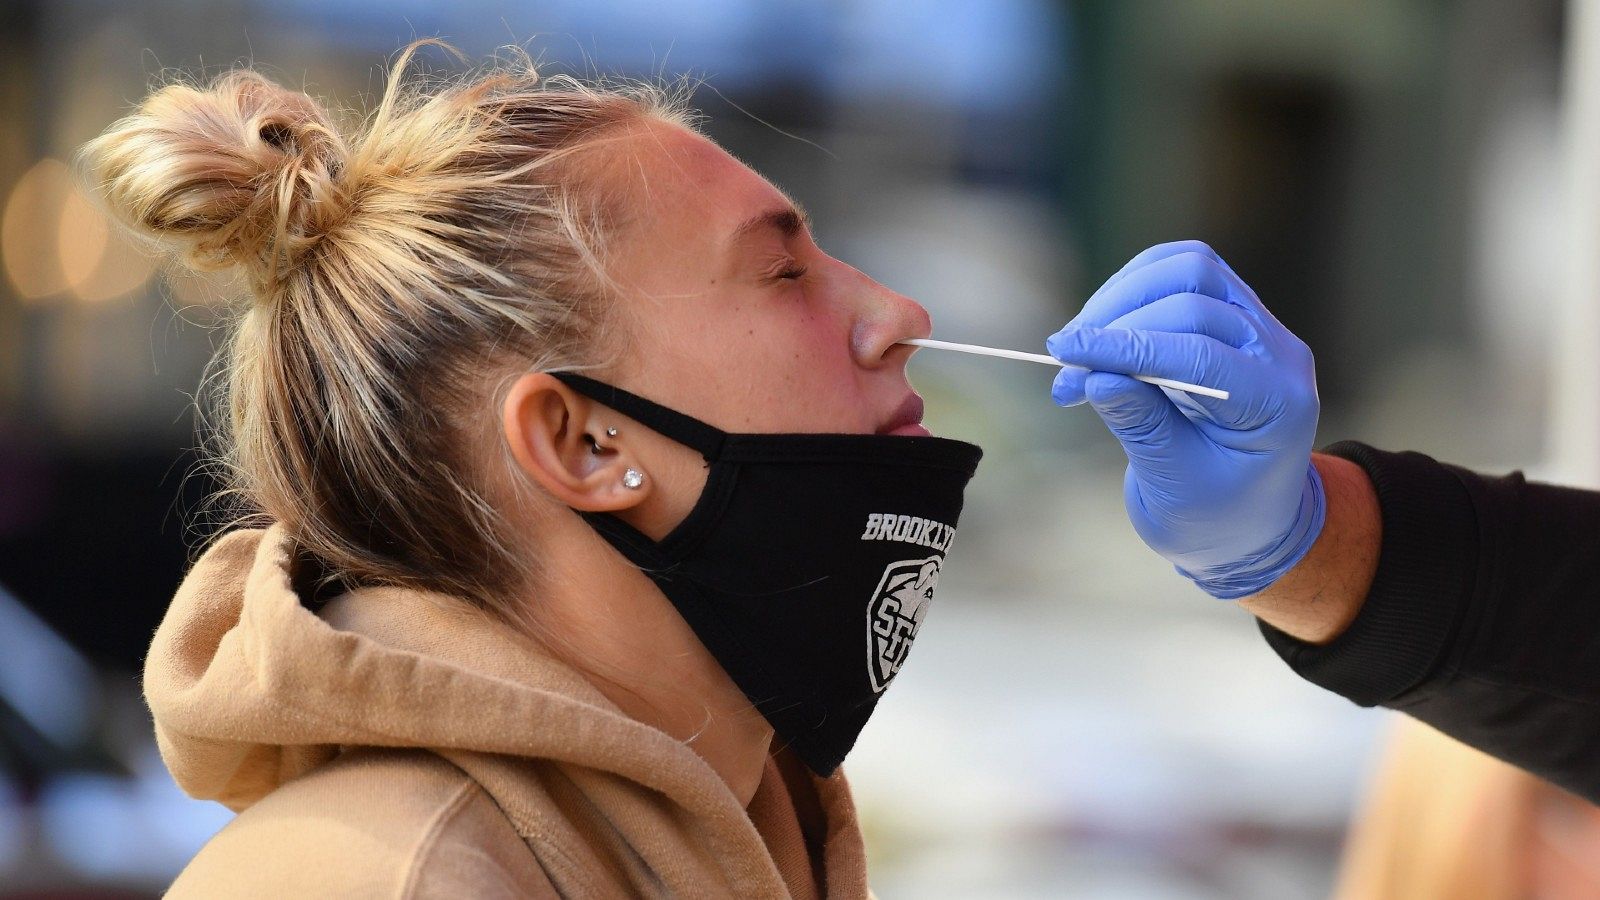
pixel 633 479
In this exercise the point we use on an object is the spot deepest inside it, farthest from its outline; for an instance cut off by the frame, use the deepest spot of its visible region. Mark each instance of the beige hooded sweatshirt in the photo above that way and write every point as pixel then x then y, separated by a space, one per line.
pixel 399 744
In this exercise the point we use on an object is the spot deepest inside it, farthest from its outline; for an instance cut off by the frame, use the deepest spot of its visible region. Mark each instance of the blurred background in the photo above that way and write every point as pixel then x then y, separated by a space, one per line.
pixel 1392 176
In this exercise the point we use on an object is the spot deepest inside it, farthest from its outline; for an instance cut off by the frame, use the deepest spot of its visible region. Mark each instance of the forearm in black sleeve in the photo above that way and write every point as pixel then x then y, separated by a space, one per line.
pixel 1484 615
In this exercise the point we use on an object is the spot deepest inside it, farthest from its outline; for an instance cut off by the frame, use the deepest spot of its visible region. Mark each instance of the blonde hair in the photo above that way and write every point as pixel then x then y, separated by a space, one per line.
pixel 392 275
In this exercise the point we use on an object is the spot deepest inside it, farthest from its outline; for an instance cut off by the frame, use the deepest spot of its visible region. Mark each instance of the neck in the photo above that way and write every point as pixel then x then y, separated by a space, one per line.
pixel 609 621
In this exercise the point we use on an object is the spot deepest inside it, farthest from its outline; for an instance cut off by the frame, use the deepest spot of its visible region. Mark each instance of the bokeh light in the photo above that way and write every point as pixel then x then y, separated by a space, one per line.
pixel 29 230
pixel 55 241
pixel 100 262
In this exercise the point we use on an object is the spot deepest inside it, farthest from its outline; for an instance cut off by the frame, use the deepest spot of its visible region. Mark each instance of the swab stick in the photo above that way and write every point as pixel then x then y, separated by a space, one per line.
pixel 1184 386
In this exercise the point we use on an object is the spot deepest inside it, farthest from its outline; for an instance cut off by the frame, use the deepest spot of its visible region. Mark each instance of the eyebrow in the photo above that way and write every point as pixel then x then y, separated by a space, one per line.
pixel 790 221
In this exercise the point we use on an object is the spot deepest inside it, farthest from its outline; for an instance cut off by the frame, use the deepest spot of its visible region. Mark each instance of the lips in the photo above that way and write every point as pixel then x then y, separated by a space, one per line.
pixel 907 418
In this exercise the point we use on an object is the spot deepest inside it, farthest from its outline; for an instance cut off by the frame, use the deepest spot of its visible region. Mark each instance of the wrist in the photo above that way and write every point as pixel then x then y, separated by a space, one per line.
pixel 1255 572
pixel 1317 599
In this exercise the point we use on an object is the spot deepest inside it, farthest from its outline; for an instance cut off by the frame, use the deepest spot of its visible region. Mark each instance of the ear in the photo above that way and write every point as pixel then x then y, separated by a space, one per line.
pixel 558 438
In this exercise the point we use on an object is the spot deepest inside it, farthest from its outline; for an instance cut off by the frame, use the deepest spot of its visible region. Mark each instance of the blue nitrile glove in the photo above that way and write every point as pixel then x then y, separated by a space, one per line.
pixel 1224 489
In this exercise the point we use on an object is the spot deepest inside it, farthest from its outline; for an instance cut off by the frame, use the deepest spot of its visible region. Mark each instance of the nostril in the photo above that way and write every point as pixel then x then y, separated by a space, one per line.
pixel 884 321
pixel 862 343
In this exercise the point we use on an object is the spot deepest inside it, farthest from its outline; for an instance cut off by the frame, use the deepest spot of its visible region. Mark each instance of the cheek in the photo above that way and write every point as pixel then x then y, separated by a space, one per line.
pixel 791 360
pixel 813 373
pixel 783 361
pixel 817 342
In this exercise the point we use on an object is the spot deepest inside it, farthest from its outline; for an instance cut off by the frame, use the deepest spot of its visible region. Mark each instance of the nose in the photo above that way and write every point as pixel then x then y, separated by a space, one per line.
pixel 883 319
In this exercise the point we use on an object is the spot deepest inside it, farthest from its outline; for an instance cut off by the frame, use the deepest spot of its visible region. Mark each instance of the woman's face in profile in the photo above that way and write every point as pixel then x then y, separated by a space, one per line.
pixel 736 316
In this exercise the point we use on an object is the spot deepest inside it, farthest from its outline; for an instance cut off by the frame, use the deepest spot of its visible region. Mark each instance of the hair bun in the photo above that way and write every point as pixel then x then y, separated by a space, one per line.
pixel 241 172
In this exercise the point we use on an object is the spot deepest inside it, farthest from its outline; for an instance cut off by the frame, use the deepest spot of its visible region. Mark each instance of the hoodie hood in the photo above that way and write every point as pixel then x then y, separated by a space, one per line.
pixel 250 689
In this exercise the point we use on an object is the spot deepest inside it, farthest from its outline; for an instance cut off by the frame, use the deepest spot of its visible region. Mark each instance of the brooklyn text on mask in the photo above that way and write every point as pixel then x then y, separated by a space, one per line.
pixel 910 529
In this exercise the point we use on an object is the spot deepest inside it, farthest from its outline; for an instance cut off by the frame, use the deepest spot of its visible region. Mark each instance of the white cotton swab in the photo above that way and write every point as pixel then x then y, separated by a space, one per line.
pixel 1184 386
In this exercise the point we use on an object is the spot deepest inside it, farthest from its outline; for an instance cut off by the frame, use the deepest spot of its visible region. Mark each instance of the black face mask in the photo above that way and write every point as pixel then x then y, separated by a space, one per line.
pixel 807 564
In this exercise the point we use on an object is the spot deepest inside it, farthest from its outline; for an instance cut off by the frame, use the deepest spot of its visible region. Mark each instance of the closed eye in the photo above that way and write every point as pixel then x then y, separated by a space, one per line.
pixel 787 269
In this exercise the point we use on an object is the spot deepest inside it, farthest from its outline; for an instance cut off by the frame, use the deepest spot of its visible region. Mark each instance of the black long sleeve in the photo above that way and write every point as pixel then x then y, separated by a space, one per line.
pixel 1484 615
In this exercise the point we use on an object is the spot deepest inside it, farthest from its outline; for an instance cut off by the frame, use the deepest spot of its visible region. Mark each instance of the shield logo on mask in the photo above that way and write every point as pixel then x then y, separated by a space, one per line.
pixel 895 614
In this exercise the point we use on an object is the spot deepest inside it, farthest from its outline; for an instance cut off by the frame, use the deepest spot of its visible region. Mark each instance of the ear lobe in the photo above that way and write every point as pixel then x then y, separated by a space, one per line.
pixel 558 438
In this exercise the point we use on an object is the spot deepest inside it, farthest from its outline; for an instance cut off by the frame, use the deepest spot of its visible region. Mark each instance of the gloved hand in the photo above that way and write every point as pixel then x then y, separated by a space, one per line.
pixel 1224 489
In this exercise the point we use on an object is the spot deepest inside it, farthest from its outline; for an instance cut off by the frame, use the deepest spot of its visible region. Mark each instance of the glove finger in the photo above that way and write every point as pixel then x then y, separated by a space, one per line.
pixel 1188 272
pixel 1156 254
pixel 1193 314
pixel 1067 389
pixel 1185 313
pixel 1195 358
pixel 1141 416
pixel 1242 295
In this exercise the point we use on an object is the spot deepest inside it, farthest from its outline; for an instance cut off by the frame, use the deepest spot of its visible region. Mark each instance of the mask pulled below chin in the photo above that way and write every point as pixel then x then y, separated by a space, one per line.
pixel 807 565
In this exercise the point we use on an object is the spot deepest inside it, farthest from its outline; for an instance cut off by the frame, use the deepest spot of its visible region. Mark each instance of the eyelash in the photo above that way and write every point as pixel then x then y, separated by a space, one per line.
pixel 795 271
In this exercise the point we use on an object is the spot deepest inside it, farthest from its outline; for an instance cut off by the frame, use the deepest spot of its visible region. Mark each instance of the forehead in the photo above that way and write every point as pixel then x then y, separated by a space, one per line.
pixel 683 179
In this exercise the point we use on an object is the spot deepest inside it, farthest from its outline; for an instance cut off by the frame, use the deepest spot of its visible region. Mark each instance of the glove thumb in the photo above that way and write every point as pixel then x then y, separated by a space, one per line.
pixel 1139 414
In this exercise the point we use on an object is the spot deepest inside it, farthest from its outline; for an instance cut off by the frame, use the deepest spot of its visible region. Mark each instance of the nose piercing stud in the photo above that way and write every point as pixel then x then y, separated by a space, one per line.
pixel 633 479
pixel 611 432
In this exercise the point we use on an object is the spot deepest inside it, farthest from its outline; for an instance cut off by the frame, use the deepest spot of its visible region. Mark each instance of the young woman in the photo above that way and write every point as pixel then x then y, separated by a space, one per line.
pixel 505 629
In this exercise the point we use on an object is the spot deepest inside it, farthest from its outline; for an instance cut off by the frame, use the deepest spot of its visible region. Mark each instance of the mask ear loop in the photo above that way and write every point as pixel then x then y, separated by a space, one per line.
pixel 686 430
